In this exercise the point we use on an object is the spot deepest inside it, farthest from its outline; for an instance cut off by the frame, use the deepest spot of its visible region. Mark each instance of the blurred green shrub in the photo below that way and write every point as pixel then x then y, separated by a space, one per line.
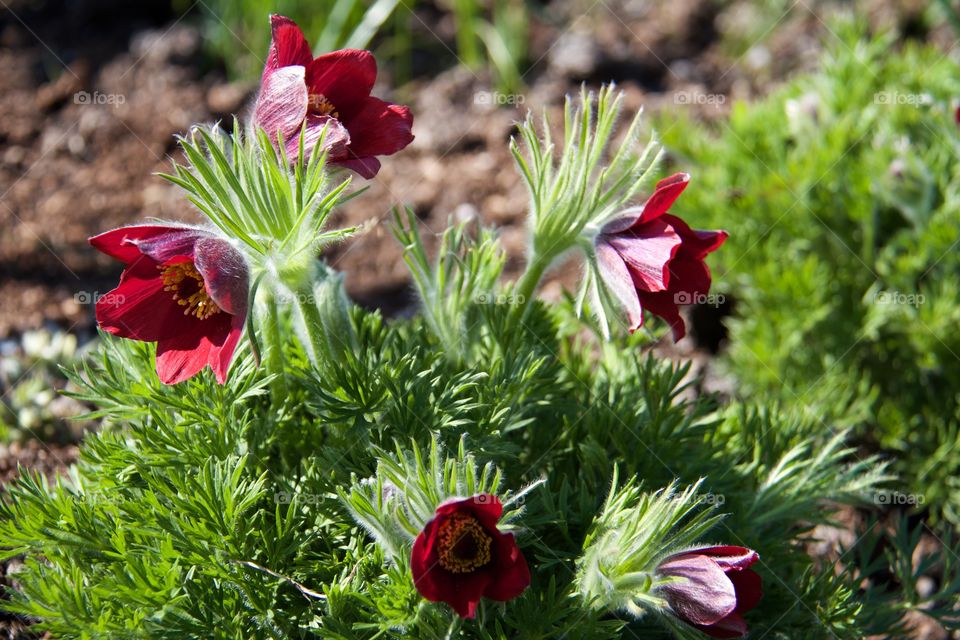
pixel 842 195
pixel 492 35
pixel 238 31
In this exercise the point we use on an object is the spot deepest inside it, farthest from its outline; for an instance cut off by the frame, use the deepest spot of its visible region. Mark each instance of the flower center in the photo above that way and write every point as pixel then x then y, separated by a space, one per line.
pixel 464 545
pixel 186 283
pixel 319 105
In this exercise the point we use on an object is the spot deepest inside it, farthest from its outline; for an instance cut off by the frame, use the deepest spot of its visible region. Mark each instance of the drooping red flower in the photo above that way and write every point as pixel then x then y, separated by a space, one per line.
pixel 715 589
pixel 652 260
pixel 183 288
pixel 461 556
pixel 331 91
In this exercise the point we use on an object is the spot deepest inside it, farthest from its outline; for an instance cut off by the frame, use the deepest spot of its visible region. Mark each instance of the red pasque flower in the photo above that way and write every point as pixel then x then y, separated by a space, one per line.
pixel 652 260
pixel 461 556
pixel 716 588
pixel 183 288
pixel 331 91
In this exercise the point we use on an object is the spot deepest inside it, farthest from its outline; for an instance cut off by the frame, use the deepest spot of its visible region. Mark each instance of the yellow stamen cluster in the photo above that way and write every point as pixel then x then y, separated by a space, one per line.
pixel 198 303
pixel 319 104
pixel 462 531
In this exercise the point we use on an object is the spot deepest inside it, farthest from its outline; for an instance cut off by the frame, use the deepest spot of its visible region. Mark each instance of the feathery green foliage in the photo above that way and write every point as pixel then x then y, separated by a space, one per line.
pixel 840 193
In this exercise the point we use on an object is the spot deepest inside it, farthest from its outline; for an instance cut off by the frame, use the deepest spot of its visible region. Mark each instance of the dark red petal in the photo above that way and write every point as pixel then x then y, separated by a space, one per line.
pixel 378 128
pixel 225 274
pixel 423 558
pixel 123 243
pixel 664 195
pixel 185 355
pixel 728 556
pixel 487 508
pixel 139 308
pixel 511 575
pixel 287 47
pixel 749 588
pixel 345 78
pixel 696 243
pixel 282 103
pixel 647 251
pixel 364 167
pixel 689 279
pixel 221 356
pixel 663 305
pixel 733 626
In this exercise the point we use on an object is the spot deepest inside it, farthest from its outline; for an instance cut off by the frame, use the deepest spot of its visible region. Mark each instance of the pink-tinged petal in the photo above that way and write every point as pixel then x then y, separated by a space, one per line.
pixel 727 556
pixel 345 78
pixel 183 356
pixel 139 308
pixel 663 305
pixel 624 220
pixel 511 573
pixel 378 128
pixel 733 626
pixel 696 243
pixel 287 47
pixel 336 141
pixel 127 243
pixel 704 595
pixel 220 357
pixel 647 252
pixel 615 275
pixel 282 103
pixel 364 167
pixel 225 274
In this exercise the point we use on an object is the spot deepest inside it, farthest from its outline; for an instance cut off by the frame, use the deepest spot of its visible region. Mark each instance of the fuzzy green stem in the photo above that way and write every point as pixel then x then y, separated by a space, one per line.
pixel 527 285
pixel 273 338
pixel 313 325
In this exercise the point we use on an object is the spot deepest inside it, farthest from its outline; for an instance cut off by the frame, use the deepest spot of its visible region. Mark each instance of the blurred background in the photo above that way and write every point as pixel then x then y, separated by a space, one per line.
pixel 821 134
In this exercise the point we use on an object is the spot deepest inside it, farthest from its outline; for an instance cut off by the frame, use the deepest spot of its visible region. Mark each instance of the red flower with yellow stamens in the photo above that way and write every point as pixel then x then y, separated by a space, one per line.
pixel 461 556
pixel 329 93
pixel 183 288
